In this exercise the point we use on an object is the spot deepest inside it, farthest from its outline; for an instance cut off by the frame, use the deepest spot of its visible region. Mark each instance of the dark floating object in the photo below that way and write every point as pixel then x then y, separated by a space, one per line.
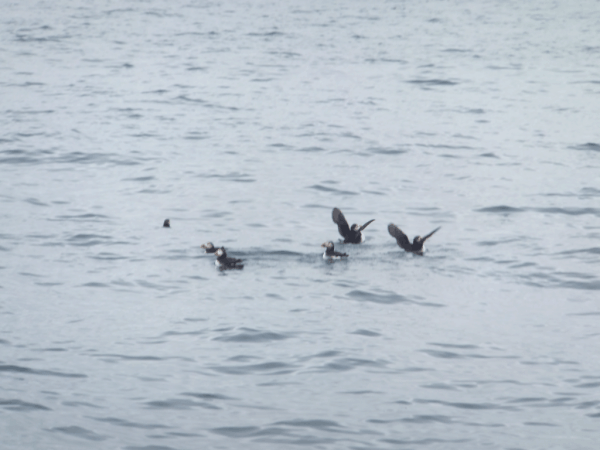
pixel 227 263
pixel 417 244
pixel 351 235
pixel 208 247
pixel 330 253
pixel 167 223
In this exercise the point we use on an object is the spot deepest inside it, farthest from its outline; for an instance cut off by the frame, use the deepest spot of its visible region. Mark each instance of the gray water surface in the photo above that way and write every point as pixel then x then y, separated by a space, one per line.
pixel 245 124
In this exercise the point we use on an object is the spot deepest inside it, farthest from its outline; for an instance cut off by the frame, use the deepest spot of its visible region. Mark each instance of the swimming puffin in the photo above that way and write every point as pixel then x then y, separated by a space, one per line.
pixel 330 253
pixel 417 244
pixel 167 223
pixel 208 247
pixel 227 263
pixel 351 235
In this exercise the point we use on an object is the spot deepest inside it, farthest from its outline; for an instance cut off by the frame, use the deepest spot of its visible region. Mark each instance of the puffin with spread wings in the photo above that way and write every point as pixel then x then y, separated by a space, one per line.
pixel 351 235
pixel 416 246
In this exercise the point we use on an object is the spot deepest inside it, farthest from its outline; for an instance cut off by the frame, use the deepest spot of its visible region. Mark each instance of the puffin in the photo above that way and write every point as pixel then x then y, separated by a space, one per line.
pixel 417 244
pixel 208 247
pixel 224 262
pixel 167 223
pixel 330 253
pixel 351 235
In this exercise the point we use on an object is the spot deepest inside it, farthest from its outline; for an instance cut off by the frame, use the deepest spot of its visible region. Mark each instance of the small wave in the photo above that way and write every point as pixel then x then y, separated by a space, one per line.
pixel 149 178
pixel 179 404
pixel 43 157
pixel 27 370
pixel 232 176
pixel 387 151
pixel 433 82
pixel 155 447
pixel 459 346
pixel 443 354
pixel 502 209
pixel 591 385
pixel 236 432
pixel 95 285
pixel 128 424
pixel 366 333
pixel 94 158
pixel 18 405
pixel 250 335
pixel 82 217
pixel 285 253
pixel 386 60
pixel 590 146
pixel 204 396
pixel 311 149
pixel 267 34
pixel 88 240
pixel 424 418
pixel 80 433
pixel 183 333
pixel 316 424
pixel 585 285
pixel 494 243
pixel 346 364
pixel 28 38
pixel 590 192
pixel 130 358
pixel 592 250
pixel 322 188
pixel 471 406
pixel 387 299
pixel 270 368
pixel 105 256
pixel 35 201
pixel 569 211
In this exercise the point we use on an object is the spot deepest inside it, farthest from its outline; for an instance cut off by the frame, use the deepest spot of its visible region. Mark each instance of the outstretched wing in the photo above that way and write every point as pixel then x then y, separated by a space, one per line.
pixel 401 238
pixel 430 234
pixel 340 220
pixel 365 225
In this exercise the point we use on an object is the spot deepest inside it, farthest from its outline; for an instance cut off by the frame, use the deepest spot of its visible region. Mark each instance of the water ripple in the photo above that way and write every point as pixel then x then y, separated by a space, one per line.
pixel 79 432
pixel 250 335
pixel 268 368
pixel 590 146
pixel 128 424
pixel 27 370
pixel 179 404
pixel 503 209
pixel 18 405
pixel 322 188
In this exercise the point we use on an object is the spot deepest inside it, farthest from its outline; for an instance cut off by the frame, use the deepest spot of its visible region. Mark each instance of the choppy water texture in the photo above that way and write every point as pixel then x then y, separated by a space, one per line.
pixel 245 123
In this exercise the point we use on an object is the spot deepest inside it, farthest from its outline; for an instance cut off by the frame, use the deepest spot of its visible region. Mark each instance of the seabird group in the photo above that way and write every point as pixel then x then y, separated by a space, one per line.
pixel 351 234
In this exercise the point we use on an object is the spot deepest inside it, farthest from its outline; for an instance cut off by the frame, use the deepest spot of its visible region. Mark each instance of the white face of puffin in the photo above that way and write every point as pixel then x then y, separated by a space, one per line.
pixel 328 245
pixel 219 252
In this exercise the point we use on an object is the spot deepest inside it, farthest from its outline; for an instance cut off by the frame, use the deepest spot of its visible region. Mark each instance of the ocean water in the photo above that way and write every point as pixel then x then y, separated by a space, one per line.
pixel 245 124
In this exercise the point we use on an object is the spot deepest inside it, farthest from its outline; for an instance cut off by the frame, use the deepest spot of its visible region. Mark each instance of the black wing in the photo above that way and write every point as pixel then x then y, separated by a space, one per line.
pixel 365 225
pixel 430 234
pixel 401 238
pixel 340 220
